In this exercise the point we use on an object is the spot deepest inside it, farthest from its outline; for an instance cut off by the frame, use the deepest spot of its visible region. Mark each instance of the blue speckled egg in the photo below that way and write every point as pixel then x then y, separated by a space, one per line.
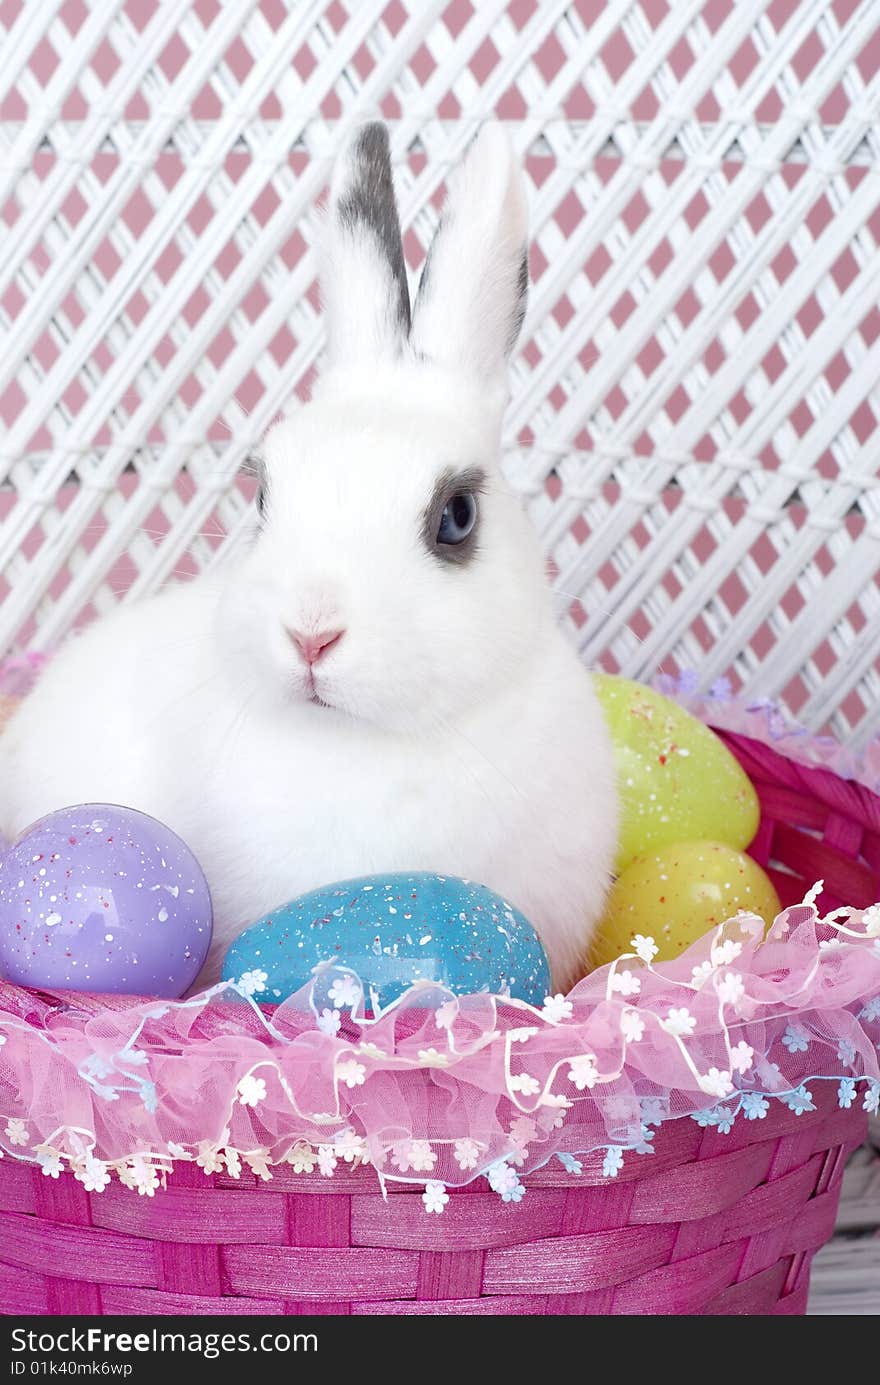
pixel 394 930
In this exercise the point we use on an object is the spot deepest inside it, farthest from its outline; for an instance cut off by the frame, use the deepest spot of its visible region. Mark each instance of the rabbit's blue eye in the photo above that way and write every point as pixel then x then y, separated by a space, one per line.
pixel 458 518
pixel 451 521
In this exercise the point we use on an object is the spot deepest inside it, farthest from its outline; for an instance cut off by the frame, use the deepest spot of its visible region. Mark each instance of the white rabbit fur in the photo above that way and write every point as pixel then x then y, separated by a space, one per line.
pixel 463 734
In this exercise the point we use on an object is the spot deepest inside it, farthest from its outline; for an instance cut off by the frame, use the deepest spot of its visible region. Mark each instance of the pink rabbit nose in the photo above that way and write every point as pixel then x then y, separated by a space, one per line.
pixel 314 647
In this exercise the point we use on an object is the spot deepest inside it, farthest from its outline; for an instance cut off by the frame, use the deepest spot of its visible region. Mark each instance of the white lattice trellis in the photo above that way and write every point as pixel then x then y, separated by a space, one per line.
pixel 695 401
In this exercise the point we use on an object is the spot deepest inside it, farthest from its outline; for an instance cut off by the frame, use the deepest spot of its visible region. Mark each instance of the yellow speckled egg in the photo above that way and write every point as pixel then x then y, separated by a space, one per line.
pixel 676 779
pixel 678 893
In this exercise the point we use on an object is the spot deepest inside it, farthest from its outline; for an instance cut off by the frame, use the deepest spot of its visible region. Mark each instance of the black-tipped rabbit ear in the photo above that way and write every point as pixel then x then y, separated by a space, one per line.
pixel 472 295
pixel 365 292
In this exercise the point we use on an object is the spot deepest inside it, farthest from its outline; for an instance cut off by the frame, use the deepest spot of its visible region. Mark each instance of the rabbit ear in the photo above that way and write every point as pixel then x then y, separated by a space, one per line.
pixel 365 292
pixel 472 295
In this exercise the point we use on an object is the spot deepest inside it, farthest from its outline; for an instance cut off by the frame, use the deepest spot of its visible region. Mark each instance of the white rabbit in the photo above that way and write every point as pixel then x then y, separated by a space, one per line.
pixel 379 683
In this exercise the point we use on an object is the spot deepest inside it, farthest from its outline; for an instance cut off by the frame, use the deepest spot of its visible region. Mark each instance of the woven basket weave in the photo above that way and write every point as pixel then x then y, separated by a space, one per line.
pixel 712 1223
pixel 815 825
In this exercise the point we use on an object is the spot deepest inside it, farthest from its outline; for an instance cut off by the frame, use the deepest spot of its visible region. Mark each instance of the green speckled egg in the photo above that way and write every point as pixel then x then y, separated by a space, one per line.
pixel 676 779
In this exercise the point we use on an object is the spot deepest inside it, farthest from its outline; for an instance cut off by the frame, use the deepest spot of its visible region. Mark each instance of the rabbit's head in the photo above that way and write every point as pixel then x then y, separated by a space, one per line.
pixel 393 575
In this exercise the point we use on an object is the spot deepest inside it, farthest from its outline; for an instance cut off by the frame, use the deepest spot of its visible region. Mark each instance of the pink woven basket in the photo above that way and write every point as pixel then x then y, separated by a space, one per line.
pixel 713 1223
pixel 814 825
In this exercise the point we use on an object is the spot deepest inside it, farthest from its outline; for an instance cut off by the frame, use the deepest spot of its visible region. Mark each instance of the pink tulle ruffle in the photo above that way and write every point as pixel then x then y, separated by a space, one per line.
pixel 439 1089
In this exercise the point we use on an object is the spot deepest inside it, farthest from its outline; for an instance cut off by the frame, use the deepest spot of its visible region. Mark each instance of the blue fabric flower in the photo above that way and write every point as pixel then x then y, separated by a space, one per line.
pixel 653 1110
pixel 95 1066
pixel 846 1053
pixel 871 1103
pixel 754 1106
pixel 613 1162
pixel 722 1117
pixel 149 1097
pixel 516 1193
pixel 871 1011
pixel 102 1090
pixel 500 1175
pixel 799 1101
pixel 846 1093
pixel 570 1164
pixel 795 1038
pixel 721 689
pixel 769 1074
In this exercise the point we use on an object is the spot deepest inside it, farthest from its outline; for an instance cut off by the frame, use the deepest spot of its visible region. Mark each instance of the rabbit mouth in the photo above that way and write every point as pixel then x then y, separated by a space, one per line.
pixel 312 694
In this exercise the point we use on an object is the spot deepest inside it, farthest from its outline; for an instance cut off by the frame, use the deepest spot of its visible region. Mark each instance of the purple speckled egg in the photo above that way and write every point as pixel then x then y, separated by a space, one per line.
pixel 103 898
